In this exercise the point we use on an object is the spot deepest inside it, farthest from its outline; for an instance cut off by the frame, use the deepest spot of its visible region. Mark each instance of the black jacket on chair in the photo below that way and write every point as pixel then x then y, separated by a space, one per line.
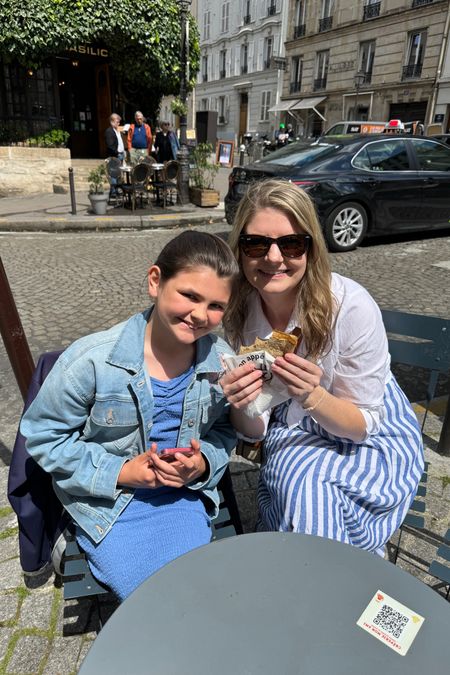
pixel 40 514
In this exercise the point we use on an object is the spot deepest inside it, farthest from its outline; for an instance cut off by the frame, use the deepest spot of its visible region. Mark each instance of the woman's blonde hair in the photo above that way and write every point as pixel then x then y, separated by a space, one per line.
pixel 314 305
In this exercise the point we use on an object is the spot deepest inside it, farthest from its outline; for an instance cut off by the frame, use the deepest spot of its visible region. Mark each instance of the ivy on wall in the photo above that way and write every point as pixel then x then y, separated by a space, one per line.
pixel 143 38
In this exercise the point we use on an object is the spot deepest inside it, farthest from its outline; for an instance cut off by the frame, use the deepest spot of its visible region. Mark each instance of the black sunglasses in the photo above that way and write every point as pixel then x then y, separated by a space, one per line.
pixel 291 246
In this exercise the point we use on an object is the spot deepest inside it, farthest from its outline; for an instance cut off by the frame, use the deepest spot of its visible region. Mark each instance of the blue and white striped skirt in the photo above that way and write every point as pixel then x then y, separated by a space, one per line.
pixel 359 493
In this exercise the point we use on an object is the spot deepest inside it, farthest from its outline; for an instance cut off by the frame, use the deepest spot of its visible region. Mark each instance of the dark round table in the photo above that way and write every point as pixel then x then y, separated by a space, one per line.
pixel 268 604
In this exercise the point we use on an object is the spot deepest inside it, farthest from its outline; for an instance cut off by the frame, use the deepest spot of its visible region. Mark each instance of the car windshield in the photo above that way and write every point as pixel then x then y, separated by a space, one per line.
pixel 300 153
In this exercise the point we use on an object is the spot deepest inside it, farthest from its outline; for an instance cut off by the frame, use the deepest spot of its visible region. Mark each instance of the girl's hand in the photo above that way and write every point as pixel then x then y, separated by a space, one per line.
pixel 300 376
pixel 182 471
pixel 242 385
pixel 138 472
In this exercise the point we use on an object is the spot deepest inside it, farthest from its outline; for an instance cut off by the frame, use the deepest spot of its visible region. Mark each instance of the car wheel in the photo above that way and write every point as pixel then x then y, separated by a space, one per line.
pixel 346 227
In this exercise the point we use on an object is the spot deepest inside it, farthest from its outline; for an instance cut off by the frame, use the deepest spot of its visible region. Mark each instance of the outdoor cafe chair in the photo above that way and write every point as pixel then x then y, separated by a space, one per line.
pixel 168 186
pixel 423 342
pixel 114 175
pixel 137 187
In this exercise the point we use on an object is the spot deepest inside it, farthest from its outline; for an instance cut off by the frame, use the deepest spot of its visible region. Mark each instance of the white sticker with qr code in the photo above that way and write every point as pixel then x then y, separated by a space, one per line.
pixel 391 622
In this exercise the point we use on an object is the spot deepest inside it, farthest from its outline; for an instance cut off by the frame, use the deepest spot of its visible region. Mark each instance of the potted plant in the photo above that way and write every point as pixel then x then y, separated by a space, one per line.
pixel 201 190
pixel 98 196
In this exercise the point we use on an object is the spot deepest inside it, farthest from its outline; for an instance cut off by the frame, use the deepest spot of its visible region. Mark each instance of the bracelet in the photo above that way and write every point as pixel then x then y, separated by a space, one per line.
pixel 315 405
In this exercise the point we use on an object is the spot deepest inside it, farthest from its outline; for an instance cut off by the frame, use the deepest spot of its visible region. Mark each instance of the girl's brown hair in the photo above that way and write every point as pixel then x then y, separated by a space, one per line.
pixel 314 305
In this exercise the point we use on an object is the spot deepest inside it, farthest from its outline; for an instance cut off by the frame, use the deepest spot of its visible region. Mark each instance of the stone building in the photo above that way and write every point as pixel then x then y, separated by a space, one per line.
pixel 362 59
pixel 242 49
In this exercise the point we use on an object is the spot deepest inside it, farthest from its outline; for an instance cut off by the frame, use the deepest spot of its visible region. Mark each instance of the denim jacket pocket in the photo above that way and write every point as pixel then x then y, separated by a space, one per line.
pixel 116 423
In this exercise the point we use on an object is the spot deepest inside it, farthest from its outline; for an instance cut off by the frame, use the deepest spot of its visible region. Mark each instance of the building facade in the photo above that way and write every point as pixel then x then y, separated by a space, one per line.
pixel 242 56
pixel 366 60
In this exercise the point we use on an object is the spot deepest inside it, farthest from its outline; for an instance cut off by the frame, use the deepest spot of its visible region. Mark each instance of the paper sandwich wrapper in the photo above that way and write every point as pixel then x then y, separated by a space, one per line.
pixel 274 390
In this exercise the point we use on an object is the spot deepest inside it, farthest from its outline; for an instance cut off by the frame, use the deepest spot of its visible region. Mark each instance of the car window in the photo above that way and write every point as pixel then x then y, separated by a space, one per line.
pixel 337 129
pixel 432 156
pixel 388 155
pixel 300 154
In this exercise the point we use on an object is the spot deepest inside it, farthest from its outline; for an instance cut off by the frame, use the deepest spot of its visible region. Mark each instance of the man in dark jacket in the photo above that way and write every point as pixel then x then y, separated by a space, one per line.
pixel 113 138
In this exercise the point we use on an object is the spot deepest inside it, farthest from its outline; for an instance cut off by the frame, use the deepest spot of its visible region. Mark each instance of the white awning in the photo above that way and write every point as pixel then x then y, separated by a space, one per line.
pixel 283 105
pixel 308 103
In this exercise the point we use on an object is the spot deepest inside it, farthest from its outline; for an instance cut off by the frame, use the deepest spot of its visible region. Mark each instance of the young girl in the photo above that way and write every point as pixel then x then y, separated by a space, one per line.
pixel 115 399
pixel 343 456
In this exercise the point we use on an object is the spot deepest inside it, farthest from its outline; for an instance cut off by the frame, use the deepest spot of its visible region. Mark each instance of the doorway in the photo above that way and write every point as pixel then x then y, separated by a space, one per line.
pixel 243 115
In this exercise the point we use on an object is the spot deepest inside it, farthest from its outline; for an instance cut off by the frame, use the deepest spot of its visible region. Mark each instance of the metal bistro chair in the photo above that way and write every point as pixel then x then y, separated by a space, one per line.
pixel 138 184
pixel 169 183
pixel 114 174
pixel 421 342
pixel 150 161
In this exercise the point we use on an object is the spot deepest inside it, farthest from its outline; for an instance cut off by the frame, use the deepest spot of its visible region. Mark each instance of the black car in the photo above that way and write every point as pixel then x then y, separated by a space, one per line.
pixel 362 185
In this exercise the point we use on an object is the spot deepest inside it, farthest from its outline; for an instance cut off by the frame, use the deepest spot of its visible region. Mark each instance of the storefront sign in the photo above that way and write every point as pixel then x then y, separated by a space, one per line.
pixel 90 50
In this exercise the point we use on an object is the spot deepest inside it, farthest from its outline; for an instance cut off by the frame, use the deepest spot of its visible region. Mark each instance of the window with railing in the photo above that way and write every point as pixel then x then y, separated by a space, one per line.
pixel 295 84
pixel 299 18
pixel 419 3
pixel 225 17
pixel 326 20
pixel 204 69
pixel 206 25
pixel 221 110
pixel 366 58
pixel 325 23
pixel 299 31
pixel 371 10
pixel 321 73
pixel 247 12
pixel 415 55
pixel 271 8
pixel 222 63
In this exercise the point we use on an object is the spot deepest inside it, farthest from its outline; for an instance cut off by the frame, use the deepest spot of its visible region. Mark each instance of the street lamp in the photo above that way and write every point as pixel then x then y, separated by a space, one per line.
pixel 359 81
pixel 183 153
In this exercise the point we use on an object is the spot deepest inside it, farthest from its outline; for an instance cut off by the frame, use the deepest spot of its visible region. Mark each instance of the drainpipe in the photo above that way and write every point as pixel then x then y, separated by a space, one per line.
pixel 435 90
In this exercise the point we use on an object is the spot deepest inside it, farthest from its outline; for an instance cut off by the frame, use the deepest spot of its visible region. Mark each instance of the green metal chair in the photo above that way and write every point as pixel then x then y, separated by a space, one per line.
pixel 441 570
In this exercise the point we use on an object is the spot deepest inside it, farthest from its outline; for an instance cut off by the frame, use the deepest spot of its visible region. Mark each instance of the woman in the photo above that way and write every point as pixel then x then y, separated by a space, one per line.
pixel 343 456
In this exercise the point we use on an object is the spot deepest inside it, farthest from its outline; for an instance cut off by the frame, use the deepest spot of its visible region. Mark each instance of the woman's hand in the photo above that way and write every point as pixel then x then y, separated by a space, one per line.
pixel 138 472
pixel 300 376
pixel 242 385
pixel 180 472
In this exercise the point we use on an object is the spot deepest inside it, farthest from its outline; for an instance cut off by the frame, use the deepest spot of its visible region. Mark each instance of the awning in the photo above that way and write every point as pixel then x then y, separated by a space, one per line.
pixel 283 105
pixel 308 103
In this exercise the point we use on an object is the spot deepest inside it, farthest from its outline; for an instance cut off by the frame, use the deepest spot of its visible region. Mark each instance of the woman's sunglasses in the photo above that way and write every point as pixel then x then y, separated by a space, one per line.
pixel 291 246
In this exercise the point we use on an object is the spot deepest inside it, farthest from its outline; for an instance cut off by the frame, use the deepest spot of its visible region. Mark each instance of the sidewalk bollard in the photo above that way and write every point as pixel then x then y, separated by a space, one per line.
pixel 72 192
pixel 241 154
pixel 14 336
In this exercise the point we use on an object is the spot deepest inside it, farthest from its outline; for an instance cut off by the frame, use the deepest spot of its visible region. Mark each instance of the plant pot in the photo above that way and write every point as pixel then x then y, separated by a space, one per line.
pixel 98 203
pixel 204 196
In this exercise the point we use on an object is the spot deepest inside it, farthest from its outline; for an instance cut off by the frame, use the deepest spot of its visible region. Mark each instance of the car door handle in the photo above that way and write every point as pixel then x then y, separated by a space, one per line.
pixel 430 181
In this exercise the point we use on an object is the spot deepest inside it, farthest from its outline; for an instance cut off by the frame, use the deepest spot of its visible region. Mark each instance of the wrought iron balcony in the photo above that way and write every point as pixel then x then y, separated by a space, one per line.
pixel 366 78
pixel 221 119
pixel 294 87
pixel 247 19
pixel 268 64
pixel 271 10
pixel 325 24
pixel 244 69
pixel 371 11
pixel 412 72
pixel 419 3
pixel 222 74
pixel 204 77
pixel 320 83
pixel 299 31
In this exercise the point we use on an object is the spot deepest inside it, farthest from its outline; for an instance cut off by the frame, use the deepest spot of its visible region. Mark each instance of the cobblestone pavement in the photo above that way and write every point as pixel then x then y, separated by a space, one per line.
pixel 68 285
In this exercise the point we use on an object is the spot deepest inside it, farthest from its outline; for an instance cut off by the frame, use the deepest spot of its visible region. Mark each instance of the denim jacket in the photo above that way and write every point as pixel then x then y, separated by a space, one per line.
pixel 94 412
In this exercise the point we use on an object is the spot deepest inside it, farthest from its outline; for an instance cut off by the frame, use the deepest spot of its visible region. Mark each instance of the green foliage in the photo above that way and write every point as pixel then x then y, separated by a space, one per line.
pixel 204 171
pixel 143 38
pixel 97 179
pixel 55 138
pixel 178 107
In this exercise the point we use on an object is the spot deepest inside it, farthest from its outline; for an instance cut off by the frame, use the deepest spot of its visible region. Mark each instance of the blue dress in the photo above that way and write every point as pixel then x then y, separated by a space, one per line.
pixel 158 525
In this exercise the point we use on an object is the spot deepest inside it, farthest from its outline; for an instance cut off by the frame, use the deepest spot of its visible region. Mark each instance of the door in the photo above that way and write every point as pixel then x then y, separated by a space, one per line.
pixel 243 115
pixel 433 161
pixel 103 92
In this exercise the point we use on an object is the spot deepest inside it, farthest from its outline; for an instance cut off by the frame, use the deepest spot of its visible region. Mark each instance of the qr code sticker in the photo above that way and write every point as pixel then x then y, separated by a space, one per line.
pixel 391 621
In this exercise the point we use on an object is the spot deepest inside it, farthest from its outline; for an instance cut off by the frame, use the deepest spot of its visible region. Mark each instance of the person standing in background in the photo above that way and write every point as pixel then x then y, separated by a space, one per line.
pixel 139 139
pixel 166 143
pixel 113 138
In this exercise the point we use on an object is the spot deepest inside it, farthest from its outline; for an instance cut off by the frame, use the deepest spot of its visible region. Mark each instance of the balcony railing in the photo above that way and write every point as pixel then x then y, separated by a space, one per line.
pixel 221 119
pixel 244 69
pixel 419 3
pixel 320 83
pixel 325 24
pixel 366 78
pixel 222 74
pixel 371 11
pixel 294 87
pixel 412 72
pixel 204 77
pixel 271 10
pixel 268 64
pixel 247 19
pixel 299 31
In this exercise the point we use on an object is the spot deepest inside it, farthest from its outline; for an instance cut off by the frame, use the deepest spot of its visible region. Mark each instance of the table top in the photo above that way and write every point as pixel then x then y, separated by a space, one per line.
pixel 268 603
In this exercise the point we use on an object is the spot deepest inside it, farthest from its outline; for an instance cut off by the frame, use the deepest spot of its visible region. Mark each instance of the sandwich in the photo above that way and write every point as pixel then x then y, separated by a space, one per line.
pixel 278 344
